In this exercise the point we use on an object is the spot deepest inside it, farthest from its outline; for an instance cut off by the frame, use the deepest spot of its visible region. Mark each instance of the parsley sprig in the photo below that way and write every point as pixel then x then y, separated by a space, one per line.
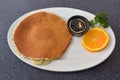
pixel 100 19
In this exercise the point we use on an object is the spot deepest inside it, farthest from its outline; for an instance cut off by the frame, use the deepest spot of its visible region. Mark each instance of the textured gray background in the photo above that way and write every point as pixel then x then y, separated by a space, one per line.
pixel 11 68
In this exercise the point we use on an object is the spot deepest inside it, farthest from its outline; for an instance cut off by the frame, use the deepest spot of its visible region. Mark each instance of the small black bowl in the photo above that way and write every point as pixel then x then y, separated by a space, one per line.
pixel 78 25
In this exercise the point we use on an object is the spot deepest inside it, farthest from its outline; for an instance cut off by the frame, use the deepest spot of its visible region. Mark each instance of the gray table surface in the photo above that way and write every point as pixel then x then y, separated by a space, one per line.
pixel 11 68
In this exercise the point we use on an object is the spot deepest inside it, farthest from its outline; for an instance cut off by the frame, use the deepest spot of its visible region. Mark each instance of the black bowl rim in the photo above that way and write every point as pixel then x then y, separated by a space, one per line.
pixel 80 17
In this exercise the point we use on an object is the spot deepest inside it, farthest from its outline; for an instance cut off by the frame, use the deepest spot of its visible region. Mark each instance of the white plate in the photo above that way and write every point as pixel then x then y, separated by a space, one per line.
pixel 76 57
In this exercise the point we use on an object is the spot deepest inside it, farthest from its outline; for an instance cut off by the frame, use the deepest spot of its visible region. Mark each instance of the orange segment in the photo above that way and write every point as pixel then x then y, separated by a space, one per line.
pixel 95 39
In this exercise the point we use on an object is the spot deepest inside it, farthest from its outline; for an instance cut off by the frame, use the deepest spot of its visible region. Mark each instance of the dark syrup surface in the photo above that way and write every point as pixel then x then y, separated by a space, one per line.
pixel 77 24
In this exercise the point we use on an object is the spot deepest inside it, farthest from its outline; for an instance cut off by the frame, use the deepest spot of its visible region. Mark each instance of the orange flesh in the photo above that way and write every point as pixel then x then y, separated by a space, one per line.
pixel 95 40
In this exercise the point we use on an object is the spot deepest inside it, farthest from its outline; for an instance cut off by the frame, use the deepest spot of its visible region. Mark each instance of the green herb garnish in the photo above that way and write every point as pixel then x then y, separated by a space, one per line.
pixel 100 19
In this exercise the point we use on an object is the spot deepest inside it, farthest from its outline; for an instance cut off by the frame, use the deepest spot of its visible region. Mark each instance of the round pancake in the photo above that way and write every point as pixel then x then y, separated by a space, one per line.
pixel 42 35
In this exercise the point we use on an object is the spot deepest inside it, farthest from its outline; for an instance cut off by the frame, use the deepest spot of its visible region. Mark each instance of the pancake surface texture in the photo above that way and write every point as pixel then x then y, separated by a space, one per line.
pixel 42 35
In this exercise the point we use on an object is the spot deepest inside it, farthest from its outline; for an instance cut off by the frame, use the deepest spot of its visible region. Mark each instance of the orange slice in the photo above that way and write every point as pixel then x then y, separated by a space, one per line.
pixel 96 39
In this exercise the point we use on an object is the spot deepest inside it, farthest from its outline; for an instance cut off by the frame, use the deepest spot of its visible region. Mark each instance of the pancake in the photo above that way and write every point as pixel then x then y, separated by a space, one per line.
pixel 42 37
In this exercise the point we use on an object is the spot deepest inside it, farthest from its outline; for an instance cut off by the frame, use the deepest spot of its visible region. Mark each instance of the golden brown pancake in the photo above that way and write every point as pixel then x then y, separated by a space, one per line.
pixel 42 35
